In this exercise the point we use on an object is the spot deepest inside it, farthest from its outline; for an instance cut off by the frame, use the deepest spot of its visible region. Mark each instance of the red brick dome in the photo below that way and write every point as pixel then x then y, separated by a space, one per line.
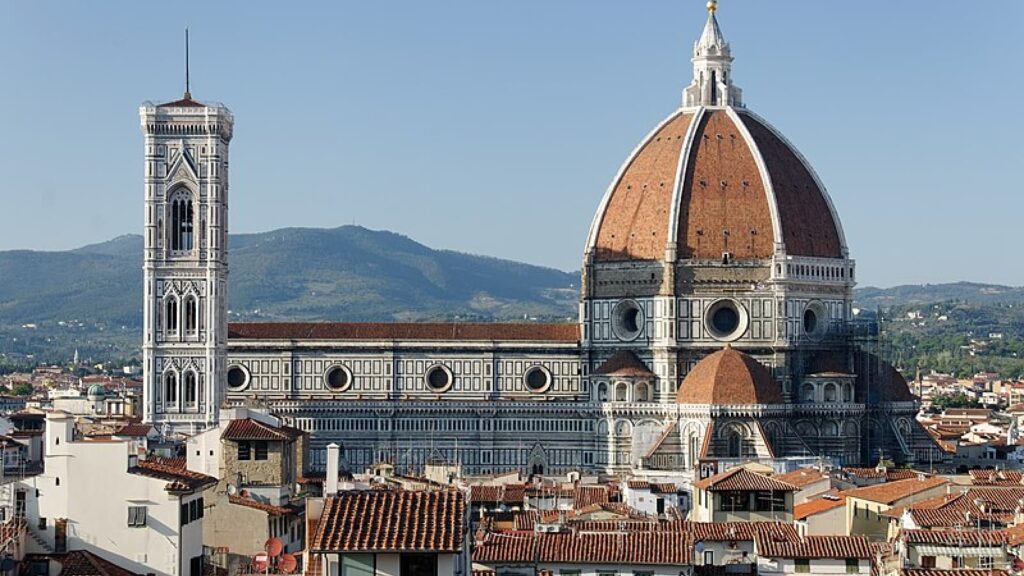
pixel 710 180
pixel 729 377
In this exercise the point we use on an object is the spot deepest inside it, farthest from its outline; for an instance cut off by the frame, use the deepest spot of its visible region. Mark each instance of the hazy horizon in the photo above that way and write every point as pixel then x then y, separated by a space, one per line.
pixel 496 128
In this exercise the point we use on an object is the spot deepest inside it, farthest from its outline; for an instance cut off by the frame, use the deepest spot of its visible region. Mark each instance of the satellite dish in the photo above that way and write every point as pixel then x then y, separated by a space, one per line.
pixel 232 490
pixel 274 547
pixel 287 564
pixel 260 562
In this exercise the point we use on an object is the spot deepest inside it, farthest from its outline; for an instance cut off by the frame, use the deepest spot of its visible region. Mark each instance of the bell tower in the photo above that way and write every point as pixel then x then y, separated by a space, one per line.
pixel 185 264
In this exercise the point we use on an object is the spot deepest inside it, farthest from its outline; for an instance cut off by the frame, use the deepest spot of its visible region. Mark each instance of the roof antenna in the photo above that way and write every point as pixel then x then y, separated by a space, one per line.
pixel 188 94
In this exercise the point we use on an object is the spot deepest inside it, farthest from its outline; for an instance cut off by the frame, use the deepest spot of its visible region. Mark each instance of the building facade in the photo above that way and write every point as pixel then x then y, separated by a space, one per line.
pixel 716 323
pixel 185 263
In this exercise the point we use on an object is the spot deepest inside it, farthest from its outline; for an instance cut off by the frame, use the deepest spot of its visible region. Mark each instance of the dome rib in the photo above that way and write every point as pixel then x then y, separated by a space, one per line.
pixel 766 179
pixel 629 224
pixel 803 196
pixel 729 377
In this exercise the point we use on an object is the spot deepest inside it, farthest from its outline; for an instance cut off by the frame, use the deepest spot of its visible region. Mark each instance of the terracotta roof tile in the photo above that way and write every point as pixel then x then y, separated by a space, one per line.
pixel 586 495
pixel 959 572
pixel 635 221
pixel 568 333
pixel 723 191
pixel 652 548
pixel 817 506
pixel 996 477
pixel 729 377
pixel 815 547
pixel 801 477
pixel 249 429
pixel 382 521
pixel 178 479
pixel 82 563
pixel 890 492
pixel 263 506
pixel 808 227
pixel 624 363
pixel 186 102
pixel 134 430
pixel 742 479
pixel 955 537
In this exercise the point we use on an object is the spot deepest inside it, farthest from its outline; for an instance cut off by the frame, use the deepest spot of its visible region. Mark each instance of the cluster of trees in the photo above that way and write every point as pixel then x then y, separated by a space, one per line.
pixel 953 337
pixel 943 401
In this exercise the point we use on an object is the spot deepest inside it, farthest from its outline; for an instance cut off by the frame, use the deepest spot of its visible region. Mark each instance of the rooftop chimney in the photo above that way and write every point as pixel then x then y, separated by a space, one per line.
pixel 333 456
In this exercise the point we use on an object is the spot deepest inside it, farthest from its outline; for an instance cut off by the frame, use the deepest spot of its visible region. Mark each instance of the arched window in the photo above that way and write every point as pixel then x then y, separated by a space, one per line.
pixel 602 392
pixel 642 393
pixel 830 392
pixel 808 393
pixel 830 429
pixel 735 444
pixel 621 391
pixel 191 314
pixel 190 387
pixel 847 392
pixel 171 314
pixel 171 387
pixel 181 220
pixel 694 452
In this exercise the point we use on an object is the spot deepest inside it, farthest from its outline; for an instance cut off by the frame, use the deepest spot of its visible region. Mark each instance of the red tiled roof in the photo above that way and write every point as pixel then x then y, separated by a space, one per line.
pixel 801 477
pixel 815 547
pixel 742 479
pixel 890 492
pixel 568 333
pixel 81 563
pixel 178 462
pixel 249 429
pixel 178 479
pixel 958 572
pixel 268 508
pixel 638 485
pixel 385 521
pixel 996 477
pixel 729 531
pixel 583 496
pixel 624 363
pixel 801 511
pixel 186 102
pixel 134 430
pixel 651 548
pixel 511 494
pixel 955 537
pixel 729 377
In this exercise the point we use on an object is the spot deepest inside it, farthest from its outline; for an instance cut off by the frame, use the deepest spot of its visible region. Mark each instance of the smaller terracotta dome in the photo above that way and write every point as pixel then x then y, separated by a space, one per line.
pixel 729 377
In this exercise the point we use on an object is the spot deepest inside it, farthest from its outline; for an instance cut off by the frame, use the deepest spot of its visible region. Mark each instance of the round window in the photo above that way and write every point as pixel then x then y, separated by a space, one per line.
pixel 726 320
pixel 810 321
pixel 537 379
pixel 439 378
pixel 814 315
pixel 338 378
pixel 627 319
pixel 238 378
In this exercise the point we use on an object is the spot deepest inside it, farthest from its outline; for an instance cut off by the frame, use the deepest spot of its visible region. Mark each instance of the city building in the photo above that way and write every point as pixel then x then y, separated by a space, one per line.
pixel 716 323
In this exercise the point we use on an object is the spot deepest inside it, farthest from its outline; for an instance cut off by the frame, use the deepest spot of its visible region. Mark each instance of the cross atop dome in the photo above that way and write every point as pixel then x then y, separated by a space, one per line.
pixel 712 67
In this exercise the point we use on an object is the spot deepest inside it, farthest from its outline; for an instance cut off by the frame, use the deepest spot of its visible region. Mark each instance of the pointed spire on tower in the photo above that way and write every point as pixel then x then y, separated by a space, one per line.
pixel 188 93
pixel 712 68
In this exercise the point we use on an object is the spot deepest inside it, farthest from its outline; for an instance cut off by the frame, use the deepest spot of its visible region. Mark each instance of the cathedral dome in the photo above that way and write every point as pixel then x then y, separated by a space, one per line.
pixel 729 377
pixel 713 178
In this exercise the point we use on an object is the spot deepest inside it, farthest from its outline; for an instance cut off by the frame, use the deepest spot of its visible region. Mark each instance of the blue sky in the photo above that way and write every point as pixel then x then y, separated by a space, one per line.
pixel 495 127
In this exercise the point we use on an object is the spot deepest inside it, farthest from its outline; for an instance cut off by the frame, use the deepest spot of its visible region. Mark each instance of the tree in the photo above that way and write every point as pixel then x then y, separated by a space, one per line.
pixel 22 389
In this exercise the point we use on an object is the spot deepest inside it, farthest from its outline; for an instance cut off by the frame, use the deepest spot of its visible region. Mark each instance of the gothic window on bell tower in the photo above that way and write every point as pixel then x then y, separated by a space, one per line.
pixel 191 315
pixel 171 315
pixel 171 388
pixel 190 387
pixel 182 227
